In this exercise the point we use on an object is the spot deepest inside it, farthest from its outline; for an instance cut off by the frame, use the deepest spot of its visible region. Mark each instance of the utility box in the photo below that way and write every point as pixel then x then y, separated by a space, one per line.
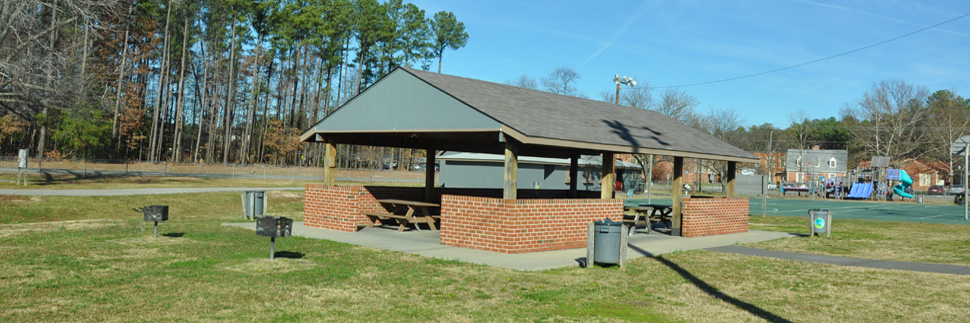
pixel 254 204
pixel 821 222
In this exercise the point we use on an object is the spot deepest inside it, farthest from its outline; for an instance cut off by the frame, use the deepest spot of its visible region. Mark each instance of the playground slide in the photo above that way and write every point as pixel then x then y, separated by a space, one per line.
pixel 904 182
pixel 862 192
pixel 854 190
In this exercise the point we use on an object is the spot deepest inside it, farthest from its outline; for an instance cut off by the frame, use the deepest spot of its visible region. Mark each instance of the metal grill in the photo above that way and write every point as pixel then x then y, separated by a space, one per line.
pixel 155 213
pixel 273 227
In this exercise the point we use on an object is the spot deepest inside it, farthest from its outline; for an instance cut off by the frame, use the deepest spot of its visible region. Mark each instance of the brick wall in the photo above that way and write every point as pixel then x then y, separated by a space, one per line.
pixel 713 216
pixel 342 208
pixel 523 225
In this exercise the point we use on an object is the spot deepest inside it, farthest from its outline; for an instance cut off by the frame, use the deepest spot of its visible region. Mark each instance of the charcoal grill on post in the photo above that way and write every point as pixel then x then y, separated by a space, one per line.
pixel 272 227
pixel 155 213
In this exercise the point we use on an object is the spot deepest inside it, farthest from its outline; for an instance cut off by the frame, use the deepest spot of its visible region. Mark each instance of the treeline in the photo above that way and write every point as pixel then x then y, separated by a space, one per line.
pixel 893 118
pixel 231 81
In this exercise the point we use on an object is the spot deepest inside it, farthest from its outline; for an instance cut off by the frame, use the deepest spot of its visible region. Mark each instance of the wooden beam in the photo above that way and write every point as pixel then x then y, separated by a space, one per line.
pixel 330 164
pixel 607 178
pixel 731 169
pixel 678 194
pixel 573 174
pixel 429 175
pixel 511 171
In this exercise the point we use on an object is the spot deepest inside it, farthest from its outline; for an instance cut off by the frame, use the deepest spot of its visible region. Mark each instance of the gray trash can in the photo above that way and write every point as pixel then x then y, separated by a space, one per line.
pixel 919 199
pixel 821 222
pixel 606 241
pixel 254 204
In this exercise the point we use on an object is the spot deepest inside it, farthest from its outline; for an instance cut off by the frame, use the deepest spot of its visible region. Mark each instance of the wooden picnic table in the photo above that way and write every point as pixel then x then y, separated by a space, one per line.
pixel 647 215
pixel 406 212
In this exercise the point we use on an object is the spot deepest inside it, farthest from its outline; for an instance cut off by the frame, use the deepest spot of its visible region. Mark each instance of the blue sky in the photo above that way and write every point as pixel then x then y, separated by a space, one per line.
pixel 671 43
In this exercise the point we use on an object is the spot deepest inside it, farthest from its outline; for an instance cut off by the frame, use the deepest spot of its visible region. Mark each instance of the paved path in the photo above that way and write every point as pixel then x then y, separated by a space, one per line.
pixel 141 191
pixel 845 261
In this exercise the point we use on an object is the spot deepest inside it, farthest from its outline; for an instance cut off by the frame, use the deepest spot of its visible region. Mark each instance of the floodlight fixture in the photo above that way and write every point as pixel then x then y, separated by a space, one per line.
pixel 616 79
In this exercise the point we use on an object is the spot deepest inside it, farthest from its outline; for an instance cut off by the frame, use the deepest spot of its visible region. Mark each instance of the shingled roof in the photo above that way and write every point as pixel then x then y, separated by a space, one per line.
pixel 484 114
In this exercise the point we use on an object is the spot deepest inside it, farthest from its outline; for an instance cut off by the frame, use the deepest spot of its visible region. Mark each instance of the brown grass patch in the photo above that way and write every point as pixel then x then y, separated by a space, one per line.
pixel 268 267
pixel 9 230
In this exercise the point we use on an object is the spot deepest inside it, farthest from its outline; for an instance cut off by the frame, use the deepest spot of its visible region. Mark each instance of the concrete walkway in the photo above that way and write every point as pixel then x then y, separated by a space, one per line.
pixel 141 191
pixel 427 243
pixel 845 261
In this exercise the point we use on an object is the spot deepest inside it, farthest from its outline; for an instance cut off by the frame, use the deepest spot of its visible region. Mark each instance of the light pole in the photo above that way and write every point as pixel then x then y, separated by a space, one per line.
pixel 631 83
pixel 625 80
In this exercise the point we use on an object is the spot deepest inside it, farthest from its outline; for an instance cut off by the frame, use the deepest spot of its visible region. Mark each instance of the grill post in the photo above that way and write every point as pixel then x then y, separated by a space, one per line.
pixel 272 247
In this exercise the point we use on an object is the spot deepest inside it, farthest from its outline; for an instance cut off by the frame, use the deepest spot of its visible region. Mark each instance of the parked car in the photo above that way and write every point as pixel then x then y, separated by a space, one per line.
pixel 935 190
pixel 957 189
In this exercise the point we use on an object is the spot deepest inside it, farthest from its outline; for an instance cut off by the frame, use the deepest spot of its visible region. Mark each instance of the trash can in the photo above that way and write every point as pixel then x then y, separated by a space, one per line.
pixel 606 241
pixel 821 222
pixel 919 199
pixel 254 204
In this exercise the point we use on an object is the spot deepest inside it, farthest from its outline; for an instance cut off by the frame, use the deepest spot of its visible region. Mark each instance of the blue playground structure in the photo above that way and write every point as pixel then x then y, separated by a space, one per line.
pixel 904 182
pixel 860 191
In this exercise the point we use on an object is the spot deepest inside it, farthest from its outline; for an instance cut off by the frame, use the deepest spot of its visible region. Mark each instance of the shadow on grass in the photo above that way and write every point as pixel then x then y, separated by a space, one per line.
pixel 174 234
pixel 288 254
pixel 711 290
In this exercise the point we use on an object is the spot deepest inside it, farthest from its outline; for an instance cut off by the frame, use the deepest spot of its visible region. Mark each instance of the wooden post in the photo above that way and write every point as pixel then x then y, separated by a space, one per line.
pixel 590 245
pixel 677 189
pixel 429 176
pixel 607 178
pixel 511 171
pixel 573 174
pixel 624 242
pixel 732 168
pixel 330 165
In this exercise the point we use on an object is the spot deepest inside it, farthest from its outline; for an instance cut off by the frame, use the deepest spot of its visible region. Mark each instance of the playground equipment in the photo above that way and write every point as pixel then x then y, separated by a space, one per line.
pixel 833 186
pixel 860 191
pixel 904 182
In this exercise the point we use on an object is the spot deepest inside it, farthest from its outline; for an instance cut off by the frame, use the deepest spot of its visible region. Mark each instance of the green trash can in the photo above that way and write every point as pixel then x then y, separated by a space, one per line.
pixel 606 241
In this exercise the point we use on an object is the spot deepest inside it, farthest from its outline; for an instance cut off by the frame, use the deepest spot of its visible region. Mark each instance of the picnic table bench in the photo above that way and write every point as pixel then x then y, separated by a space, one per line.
pixel 647 215
pixel 404 212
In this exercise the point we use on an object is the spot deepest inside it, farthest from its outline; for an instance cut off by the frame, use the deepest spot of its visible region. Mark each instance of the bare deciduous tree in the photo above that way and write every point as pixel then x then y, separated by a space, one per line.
pixel 889 116
pixel 562 81
pixel 524 81
pixel 679 105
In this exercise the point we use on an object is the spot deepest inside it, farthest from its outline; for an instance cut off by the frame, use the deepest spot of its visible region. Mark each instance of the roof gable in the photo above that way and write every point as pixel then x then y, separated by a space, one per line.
pixel 400 102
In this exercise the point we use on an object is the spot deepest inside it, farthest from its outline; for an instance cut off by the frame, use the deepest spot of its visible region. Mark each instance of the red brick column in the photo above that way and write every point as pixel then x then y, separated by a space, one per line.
pixel 713 216
pixel 517 226
pixel 338 208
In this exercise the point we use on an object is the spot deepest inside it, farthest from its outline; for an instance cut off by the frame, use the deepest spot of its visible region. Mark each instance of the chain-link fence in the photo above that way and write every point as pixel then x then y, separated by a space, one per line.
pixel 113 167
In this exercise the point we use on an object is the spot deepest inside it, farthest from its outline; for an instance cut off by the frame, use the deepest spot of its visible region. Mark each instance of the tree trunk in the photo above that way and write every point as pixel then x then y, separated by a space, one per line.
pixel 179 112
pixel 121 75
pixel 251 114
pixel 50 79
pixel 161 88
pixel 202 100
pixel 230 95
pixel 296 83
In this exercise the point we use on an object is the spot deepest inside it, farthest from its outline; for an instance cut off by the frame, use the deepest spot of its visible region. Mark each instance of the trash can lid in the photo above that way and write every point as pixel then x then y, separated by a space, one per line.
pixel 608 222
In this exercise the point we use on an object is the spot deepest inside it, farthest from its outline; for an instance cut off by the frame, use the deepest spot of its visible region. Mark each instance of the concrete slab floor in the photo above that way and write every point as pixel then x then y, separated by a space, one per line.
pixel 427 243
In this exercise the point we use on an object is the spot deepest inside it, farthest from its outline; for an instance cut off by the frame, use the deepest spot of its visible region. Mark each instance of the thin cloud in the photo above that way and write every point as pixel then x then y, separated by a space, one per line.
pixel 875 15
pixel 616 36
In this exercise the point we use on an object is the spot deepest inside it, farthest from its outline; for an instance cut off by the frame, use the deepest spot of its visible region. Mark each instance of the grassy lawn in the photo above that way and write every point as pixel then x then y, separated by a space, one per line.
pixel 880 240
pixel 87 259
